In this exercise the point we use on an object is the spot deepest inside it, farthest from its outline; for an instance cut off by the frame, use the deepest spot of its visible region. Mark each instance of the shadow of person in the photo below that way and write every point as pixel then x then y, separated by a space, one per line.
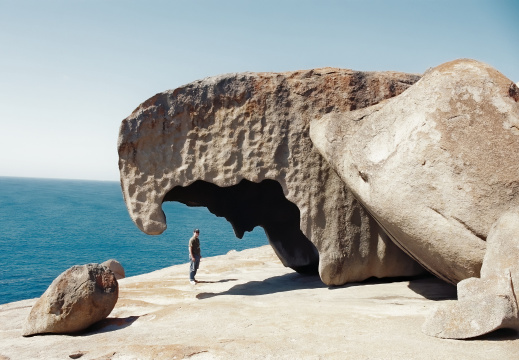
pixel 276 284
pixel 215 282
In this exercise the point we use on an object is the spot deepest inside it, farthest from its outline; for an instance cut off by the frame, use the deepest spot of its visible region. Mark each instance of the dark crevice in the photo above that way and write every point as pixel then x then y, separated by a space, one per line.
pixel 247 205
pixel 479 235
pixel 474 232
pixel 364 176
pixel 513 91
pixel 438 212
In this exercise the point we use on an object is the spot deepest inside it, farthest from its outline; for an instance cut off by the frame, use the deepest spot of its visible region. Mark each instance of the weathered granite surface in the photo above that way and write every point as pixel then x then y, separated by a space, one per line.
pixel 436 165
pixel 249 306
pixel 76 299
pixel 239 145
pixel 490 302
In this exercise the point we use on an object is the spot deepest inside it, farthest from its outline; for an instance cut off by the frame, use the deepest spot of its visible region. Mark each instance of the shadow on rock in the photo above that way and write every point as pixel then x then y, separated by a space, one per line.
pixel 288 282
pixel 108 325
pixel 433 288
pixel 376 281
pixel 427 285
pixel 215 282
pixel 497 335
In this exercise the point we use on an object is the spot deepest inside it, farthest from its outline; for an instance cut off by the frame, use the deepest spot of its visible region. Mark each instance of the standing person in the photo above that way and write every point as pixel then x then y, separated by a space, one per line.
pixel 194 255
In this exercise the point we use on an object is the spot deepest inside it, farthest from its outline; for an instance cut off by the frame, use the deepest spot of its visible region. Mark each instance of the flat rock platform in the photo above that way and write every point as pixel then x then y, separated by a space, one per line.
pixel 247 305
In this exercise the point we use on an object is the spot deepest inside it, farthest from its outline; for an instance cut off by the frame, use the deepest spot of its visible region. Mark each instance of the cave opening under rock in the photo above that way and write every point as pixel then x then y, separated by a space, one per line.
pixel 249 204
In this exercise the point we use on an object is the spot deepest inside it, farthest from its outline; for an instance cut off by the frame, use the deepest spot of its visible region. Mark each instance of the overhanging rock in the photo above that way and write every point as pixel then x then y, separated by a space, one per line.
pixel 239 144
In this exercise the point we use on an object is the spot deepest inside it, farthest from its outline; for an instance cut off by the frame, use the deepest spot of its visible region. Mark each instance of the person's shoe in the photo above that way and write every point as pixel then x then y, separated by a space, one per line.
pixel 192 282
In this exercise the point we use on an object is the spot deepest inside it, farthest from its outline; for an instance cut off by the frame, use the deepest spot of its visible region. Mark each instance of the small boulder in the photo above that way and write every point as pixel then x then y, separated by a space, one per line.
pixel 76 299
pixel 116 268
pixel 488 303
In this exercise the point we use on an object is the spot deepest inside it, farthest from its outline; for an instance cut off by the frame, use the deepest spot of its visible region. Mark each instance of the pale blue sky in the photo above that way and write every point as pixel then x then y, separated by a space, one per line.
pixel 70 71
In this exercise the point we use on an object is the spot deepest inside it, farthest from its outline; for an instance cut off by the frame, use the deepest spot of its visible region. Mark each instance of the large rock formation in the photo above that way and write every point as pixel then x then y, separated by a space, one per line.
pixel 78 298
pixel 436 165
pixel 488 303
pixel 239 145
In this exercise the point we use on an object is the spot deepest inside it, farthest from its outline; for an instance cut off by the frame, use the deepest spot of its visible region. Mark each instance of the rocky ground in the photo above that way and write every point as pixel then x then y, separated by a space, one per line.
pixel 247 305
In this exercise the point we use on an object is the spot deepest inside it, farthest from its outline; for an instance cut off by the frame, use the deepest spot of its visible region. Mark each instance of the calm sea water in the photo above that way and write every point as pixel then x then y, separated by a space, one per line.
pixel 48 225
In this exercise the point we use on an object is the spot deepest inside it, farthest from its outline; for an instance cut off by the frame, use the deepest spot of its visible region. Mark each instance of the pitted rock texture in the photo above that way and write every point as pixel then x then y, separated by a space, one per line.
pixel 436 165
pixel 490 302
pixel 78 298
pixel 239 145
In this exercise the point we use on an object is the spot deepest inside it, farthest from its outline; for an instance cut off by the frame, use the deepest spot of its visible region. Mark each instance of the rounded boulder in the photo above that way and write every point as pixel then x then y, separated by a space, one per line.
pixel 116 268
pixel 76 299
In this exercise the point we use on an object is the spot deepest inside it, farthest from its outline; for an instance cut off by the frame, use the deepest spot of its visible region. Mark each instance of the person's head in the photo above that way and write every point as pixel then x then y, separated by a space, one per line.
pixel 196 232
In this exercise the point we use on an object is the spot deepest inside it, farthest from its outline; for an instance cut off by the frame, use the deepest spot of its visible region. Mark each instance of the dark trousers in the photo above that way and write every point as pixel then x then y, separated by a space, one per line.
pixel 193 267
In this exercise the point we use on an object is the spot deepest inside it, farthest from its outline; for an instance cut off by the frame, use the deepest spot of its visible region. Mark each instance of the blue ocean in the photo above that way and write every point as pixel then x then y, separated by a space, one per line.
pixel 49 225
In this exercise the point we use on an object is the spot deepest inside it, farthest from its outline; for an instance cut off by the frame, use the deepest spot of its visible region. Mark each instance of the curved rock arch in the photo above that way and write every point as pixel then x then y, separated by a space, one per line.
pixel 247 205
pixel 255 127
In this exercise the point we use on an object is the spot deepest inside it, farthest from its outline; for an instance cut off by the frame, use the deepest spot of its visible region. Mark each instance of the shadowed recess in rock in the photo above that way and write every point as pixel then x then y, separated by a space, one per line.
pixel 247 205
